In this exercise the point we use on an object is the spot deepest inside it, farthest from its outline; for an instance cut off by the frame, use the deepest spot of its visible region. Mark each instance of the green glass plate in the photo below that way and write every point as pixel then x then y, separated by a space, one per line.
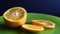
pixel 32 16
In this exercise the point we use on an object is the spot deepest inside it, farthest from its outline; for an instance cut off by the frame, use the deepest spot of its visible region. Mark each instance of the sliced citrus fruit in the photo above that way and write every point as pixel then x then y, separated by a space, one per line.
pixel 15 16
pixel 32 28
pixel 44 23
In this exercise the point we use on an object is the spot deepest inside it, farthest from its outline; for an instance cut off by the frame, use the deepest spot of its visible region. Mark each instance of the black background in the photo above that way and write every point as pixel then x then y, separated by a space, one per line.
pixel 51 7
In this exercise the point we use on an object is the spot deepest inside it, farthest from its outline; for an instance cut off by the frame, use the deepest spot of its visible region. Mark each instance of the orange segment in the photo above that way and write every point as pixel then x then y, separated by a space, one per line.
pixel 32 28
pixel 15 17
pixel 43 23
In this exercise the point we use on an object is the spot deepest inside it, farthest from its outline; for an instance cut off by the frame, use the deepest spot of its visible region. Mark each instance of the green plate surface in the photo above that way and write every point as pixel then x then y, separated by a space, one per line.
pixel 32 16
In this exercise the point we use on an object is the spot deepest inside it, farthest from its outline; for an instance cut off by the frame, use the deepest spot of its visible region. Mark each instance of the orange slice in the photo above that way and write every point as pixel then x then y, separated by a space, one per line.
pixel 14 17
pixel 43 23
pixel 32 28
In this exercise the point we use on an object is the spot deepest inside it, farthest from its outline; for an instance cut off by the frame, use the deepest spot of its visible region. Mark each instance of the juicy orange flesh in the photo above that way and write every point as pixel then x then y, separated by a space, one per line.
pixel 15 14
pixel 33 27
pixel 45 22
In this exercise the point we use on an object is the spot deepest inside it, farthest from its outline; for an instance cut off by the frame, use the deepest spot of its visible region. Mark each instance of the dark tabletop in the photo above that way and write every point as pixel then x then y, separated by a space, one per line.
pixel 51 7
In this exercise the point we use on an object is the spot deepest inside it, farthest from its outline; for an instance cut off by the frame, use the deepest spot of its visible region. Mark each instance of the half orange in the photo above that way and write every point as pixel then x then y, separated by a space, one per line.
pixel 15 17
pixel 43 23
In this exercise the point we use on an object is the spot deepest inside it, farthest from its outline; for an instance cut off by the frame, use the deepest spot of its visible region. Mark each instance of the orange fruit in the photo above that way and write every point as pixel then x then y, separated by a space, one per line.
pixel 15 17
pixel 43 23
pixel 32 28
